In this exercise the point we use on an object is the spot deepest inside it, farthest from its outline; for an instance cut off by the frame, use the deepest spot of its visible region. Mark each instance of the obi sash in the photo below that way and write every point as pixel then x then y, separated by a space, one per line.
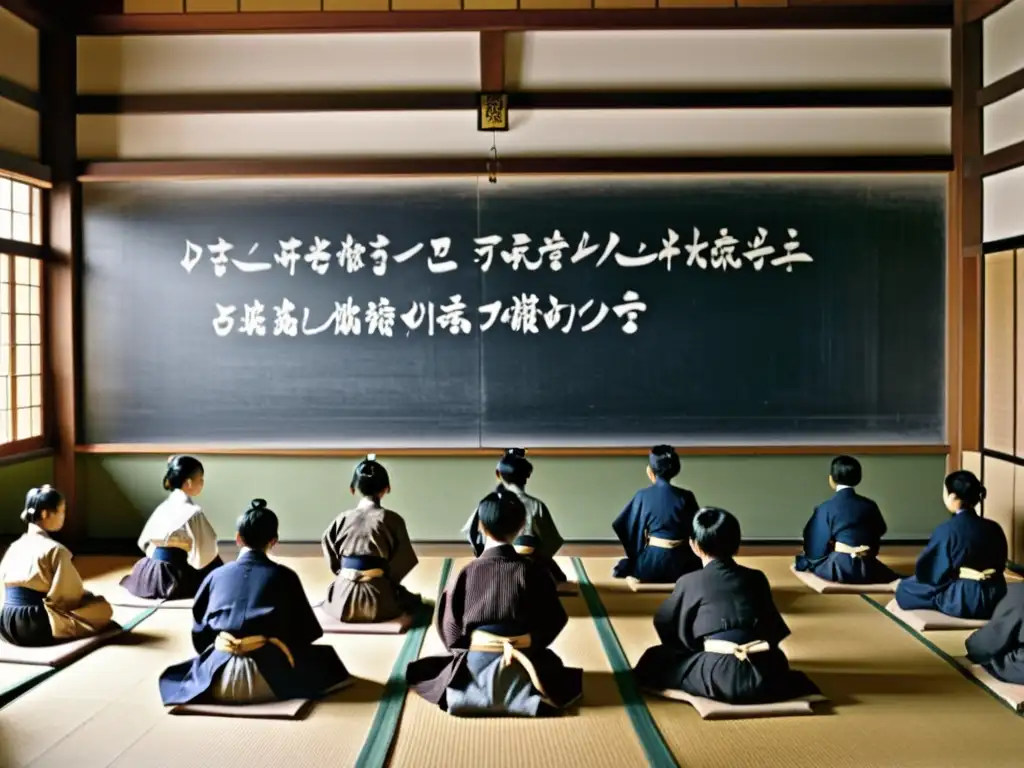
pixel 242 647
pixel 510 649
pixel 525 545
pixel 23 597
pixel 172 555
pixel 735 642
pixel 362 568
pixel 973 575
pixel 660 543
pixel 854 552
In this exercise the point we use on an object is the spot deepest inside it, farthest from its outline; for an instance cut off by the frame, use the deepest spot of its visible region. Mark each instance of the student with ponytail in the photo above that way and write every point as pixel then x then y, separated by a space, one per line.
pixel 540 539
pixel 961 571
pixel 369 552
pixel 44 599
pixel 179 543
pixel 254 631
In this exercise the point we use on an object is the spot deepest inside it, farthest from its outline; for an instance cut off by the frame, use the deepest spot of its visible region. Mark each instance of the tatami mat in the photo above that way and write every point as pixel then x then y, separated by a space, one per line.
pixel 896 702
pixel 90 717
pixel 599 735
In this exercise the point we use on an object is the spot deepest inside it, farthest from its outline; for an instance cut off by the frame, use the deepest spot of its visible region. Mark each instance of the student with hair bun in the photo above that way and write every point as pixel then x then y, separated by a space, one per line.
pixel 179 542
pixel 254 630
pixel 44 600
pixel 720 629
pixel 368 551
pixel 540 539
pixel 960 571
pixel 655 526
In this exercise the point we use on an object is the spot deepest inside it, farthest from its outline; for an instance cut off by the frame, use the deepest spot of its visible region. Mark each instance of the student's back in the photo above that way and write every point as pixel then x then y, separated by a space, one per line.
pixel 999 645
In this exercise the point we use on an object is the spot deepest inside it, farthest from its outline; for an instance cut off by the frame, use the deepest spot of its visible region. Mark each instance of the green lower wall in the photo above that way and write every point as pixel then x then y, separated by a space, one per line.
pixel 15 481
pixel 772 495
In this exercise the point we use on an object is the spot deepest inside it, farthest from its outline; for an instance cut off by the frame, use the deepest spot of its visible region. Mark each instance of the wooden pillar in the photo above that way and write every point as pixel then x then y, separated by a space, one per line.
pixel 58 85
pixel 964 326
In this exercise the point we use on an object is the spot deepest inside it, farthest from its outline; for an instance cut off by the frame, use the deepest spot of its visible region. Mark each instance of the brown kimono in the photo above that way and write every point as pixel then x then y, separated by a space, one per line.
pixel 500 599
pixel 369 552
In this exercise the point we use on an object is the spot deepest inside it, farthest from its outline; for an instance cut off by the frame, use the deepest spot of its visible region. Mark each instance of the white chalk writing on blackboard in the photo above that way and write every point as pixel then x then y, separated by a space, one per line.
pixel 523 314
pixel 719 253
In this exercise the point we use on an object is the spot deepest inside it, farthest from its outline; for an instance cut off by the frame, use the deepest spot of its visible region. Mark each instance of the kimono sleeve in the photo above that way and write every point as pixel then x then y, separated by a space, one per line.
pixel 544 526
pixel 66 589
pixel 203 634
pixel 771 627
pixel 403 558
pixel 450 610
pixel 204 541
pixel 668 618
pixel 817 535
pixel 330 546
pixel 1003 633
pixel 299 624
pixel 878 521
pixel 629 527
pixel 547 616
pixel 935 564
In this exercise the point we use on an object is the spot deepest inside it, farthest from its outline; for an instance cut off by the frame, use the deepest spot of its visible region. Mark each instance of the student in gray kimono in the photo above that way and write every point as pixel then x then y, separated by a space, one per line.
pixel 497 619
pixel 540 538
pixel 720 630
pixel 368 551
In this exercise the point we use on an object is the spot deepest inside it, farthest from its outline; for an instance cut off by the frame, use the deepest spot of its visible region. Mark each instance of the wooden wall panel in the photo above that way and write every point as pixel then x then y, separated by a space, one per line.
pixel 211 6
pixel 154 6
pixel 1004 42
pixel 1004 205
pixel 1003 122
pixel 19 129
pixel 542 132
pixel 19 51
pixel 1017 545
pixel 1001 499
pixel 1019 323
pixel 971 461
pixel 999 399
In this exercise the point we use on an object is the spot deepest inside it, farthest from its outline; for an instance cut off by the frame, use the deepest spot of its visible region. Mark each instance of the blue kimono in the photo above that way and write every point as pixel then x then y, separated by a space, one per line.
pixel 963 541
pixel 254 599
pixel 664 512
pixel 851 520
pixel 999 645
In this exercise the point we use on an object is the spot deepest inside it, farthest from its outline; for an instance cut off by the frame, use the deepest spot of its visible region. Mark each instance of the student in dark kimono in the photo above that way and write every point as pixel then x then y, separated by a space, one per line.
pixel 960 572
pixel 720 630
pixel 842 538
pixel 369 552
pixel 254 631
pixel 43 599
pixel 540 538
pixel 999 645
pixel 179 542
pixel 497 620
pixel 655 526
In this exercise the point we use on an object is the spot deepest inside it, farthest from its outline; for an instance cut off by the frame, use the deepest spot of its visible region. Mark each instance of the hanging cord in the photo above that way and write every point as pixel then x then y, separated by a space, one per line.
pixel 493 165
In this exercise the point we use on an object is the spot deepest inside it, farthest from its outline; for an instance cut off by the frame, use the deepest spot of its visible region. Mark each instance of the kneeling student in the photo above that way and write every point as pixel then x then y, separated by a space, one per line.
pixel 44 600
pixel 999 645
pixel 497 620
pixel 842 538
pixel 720 630
pixel 961 571
pixel 254 631
pixel 540 539
pixel 369 552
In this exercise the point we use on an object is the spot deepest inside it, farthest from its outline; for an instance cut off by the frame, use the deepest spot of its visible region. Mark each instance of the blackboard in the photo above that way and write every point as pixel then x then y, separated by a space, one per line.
pixel 842 345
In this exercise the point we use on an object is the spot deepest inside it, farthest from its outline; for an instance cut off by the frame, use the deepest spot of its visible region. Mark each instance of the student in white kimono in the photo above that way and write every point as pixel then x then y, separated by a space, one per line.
pixel 369 552
pixel 179 542
pixel 540 539
pixel 44 600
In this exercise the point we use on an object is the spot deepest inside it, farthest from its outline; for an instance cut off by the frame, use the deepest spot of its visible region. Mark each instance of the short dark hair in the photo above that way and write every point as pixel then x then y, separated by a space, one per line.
pixel 502 514
pixel 966 487
pixel 45 498
pixel 257 526
pixel 716 532
pixel 664 462
pixel 514 468
pixel 370 478
pixel 846 471
pixel 181 469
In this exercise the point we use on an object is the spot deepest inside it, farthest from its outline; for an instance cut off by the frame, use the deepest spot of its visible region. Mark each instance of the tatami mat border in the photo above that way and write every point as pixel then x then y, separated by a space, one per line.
pixel 653 743
pixel 384 726
pixel 939 652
